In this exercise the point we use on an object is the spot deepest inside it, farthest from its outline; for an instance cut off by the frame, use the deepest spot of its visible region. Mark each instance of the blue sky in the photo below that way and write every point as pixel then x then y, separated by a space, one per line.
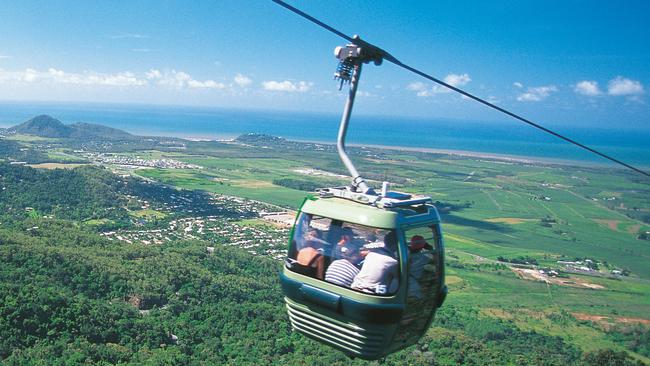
pixel 558 62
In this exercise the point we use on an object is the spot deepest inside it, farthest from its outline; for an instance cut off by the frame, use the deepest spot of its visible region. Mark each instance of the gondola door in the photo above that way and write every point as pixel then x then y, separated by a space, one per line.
pixel 425 282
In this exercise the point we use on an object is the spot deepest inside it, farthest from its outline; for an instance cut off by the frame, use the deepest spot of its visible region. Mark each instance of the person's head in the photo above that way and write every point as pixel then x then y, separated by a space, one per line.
pixel 352 253
pixel 313 233
pixel 363 252
pixel 417 243
pixel 312 239
pixel 390 241
pixel 389 244
pixel 346 236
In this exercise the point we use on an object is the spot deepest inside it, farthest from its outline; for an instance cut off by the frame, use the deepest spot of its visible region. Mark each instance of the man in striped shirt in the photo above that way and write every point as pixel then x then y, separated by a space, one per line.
pixel 342 271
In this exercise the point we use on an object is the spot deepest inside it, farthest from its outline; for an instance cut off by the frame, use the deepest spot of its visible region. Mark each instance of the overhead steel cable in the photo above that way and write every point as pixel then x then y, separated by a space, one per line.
pixel 390 58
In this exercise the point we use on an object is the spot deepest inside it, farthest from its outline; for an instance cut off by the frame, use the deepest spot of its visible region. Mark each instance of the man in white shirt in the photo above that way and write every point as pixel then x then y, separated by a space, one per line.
pixel 380 271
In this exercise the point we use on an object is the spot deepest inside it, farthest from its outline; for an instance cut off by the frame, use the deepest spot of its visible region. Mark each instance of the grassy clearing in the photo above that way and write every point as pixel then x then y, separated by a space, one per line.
pixel 97 222
pixel 29 138
pixel 509 220
pixel 148 214
pixel 189 179
pixel 55 165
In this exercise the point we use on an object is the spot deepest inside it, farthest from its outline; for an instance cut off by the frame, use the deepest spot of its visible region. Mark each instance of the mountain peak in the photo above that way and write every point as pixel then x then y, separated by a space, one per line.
pixel 48 126
pixel 44 126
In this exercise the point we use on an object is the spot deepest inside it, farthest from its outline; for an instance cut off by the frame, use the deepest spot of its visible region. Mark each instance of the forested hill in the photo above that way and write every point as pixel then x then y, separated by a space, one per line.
pixel 84 193
pixel 43 126
pixel 88 193
pixel 49 127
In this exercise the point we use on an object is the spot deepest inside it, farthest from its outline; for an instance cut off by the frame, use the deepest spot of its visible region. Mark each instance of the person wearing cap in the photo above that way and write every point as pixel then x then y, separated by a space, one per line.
pixel 418 243
pixel 419 257
pixel 342 271
pixel 379 273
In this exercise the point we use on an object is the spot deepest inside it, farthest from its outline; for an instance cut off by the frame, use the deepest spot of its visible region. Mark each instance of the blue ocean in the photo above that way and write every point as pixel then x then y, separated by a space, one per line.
pixel 508 138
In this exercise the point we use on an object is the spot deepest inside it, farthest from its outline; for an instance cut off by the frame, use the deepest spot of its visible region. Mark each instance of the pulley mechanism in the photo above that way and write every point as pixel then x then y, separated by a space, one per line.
pixel 353 55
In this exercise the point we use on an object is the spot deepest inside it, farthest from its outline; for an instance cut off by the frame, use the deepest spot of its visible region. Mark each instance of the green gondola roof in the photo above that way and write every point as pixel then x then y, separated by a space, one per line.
pixel 368 215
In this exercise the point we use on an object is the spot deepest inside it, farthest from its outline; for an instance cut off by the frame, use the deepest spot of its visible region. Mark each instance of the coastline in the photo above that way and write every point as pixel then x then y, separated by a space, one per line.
pixel 510 158
pixel 489 141
pixel 492 156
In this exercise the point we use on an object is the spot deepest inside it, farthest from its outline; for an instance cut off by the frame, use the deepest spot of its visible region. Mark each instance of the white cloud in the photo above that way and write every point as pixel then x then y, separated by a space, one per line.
pixel 53 75
pixel 517 84
pixel 427 93
pixel 167 79
pixel 457 80
pixel 287 86
pixel 119 79
pixel 366 94
pixel 422 90
pixel 92 78
pixel 174 79
pixel 416 86
pixel 624 86
pixel 587 87
pixel 180 80
pixel 536 94
pixel 242 80
pixel 493 99
pixel 4 57
pixel 141 49
pixel 153 74
pixel 30 75
pixel 129 35
pixel 207 84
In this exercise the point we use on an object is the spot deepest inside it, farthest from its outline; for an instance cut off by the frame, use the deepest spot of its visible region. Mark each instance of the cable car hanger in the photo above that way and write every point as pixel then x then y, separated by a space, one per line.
pixel 379 54
pixel 351 59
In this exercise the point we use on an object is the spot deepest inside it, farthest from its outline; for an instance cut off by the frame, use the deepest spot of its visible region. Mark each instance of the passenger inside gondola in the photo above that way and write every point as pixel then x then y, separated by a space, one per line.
pixel 379 273
pixel 349 255
pixel 310 259
pixel 343 271
pixel 419 257
pixel 345 241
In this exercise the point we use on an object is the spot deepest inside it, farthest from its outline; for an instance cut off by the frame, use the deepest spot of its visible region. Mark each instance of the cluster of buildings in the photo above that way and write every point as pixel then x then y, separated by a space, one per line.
pixel 270 240
pixel 6 132
pixel 588 266
pixel 317 172
pixel 216 219
pixel 136 161
pixel 585 265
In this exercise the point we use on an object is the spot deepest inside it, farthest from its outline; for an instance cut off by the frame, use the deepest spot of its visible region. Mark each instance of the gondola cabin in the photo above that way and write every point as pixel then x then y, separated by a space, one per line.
pixel 364 273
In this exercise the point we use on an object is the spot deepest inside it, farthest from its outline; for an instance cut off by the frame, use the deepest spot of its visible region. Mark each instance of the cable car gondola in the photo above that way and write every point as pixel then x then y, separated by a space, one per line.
pixel 365 270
